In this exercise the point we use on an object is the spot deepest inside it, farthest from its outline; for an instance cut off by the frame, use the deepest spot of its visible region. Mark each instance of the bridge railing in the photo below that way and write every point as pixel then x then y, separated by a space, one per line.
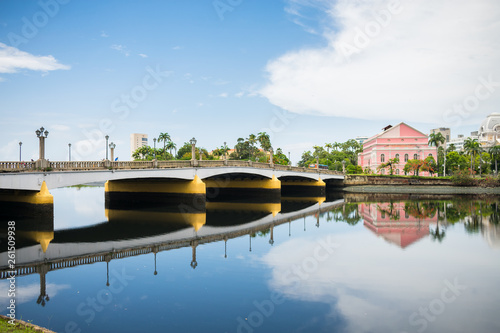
pixel 122 165
pixel 173 164
pixel 77 165
pixel 16 166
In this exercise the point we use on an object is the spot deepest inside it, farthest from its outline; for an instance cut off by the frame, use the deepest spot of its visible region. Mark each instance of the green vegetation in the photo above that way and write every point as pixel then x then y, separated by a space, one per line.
pixel 335 155
pixel 16 328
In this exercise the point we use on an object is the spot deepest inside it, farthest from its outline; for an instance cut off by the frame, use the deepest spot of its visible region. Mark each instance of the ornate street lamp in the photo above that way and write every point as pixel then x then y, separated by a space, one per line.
pixel 69 151
pixel 154 151
pixel 193 152
pixel 107 138
pixel 42 134
pixel 112 146
pixel 20 144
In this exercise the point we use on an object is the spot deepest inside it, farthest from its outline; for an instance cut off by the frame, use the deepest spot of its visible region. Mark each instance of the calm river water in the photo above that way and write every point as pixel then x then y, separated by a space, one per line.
pixel 353 263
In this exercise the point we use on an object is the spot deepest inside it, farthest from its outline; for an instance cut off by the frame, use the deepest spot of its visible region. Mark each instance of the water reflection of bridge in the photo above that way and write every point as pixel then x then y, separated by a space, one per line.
pixel 78 248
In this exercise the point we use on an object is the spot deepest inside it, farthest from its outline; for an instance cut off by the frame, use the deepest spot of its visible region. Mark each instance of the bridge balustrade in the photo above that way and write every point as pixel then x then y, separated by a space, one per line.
pixel 11 166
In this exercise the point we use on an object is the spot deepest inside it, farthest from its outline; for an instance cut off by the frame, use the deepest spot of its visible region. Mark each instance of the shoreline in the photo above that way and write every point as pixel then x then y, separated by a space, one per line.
pixel 423 189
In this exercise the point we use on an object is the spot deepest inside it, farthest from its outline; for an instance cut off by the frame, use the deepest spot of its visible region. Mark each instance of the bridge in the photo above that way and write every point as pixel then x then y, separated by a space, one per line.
pixel 242 174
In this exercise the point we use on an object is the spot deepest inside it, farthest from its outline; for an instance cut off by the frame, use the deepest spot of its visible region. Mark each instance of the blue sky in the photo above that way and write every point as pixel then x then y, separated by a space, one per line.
pixel 297 69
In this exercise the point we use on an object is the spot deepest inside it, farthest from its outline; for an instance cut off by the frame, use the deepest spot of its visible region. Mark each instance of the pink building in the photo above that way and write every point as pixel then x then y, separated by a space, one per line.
pixel 396 223
pixel 400 141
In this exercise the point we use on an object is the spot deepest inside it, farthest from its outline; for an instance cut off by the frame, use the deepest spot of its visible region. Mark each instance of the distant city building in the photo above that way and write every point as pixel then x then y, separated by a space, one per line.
pixel 137 140
pixel 458 142
pixel 488 134
pixel 361 139
pixel 401 141
pixel 446 132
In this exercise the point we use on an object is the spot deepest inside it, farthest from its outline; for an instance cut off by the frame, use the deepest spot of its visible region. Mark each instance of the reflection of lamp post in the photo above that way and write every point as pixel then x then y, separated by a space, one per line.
pixel 193 152
pixel 112 147
pixel 20 144
pixel 69 152
pixel 154 151
pixel 250 236
pixel 225 247
pixel 194 263
pixel 42 134
pixel 271 240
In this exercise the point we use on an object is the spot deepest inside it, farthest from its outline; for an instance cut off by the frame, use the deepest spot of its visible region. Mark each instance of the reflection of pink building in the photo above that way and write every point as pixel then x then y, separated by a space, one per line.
pixel 400 141
pixel 394 224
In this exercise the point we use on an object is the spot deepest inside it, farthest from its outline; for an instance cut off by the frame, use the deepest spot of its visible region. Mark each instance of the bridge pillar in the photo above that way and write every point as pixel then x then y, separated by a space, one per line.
pixel 156 201
pixel 241 189
pixel 303 188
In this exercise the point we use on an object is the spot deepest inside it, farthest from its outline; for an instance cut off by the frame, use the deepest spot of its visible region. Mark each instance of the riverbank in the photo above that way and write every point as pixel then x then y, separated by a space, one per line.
pixel 434 189
pixel 20 326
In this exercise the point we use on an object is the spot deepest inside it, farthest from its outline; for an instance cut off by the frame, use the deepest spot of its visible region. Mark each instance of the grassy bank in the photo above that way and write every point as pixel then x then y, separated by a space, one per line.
pixel 20 327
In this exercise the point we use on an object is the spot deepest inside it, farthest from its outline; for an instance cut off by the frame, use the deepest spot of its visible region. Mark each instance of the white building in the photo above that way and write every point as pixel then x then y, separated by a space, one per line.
pixel 489 131
pixel 137 140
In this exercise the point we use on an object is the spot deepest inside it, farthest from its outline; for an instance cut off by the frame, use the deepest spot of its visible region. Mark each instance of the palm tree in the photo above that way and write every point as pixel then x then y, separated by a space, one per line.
pixel 436 139
pixel 171 145
pixel 472 147
pixel 328 146
pixel 165 137
pixel 252 139
pixel 265 141
pixel 494 152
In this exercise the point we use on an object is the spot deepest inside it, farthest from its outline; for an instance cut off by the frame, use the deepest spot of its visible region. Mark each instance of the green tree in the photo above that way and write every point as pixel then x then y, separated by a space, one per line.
pixel 165 137
pixel 495 154
pixel 472 147
pixel 265 141
pixel 389 164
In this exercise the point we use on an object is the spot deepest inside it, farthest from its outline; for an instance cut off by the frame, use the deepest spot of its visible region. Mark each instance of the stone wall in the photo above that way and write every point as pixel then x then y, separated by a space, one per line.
pixel 354 180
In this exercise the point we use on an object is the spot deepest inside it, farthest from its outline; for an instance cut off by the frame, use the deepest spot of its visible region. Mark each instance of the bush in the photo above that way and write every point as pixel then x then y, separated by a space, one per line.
pixel 463 178
pixel 490 182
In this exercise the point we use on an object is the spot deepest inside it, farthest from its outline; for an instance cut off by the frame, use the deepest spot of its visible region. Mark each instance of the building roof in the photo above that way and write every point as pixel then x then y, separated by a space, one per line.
pixel 395 132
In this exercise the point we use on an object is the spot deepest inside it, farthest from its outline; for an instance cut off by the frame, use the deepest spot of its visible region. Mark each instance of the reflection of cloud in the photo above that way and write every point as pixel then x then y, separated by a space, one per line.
pixel 28 293
pixel 375 286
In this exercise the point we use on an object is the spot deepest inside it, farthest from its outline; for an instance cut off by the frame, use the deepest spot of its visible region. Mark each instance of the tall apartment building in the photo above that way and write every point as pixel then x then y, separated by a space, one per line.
pixel 137 140
pixel 446 132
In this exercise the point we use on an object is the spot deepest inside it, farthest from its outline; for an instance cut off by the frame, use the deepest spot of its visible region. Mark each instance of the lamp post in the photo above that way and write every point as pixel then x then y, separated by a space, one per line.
pixel 201 156
pixel 20 144
pixel 343 167
pixel 107 138
pixel 154 151
pixel 112 146
pixel 225 151
pixel 271 160
pixel 42 134
pixel 193 152
pixel 289 159
pixel 69 152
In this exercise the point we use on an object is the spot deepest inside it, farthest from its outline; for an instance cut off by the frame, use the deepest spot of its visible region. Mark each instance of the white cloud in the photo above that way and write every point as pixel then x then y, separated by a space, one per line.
pixel 13 59
pixel 427 57
pixel 223 95
pixel 121 48
pixel 177 48
pixel 143 55
pixel 104 35
pixel 239 94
